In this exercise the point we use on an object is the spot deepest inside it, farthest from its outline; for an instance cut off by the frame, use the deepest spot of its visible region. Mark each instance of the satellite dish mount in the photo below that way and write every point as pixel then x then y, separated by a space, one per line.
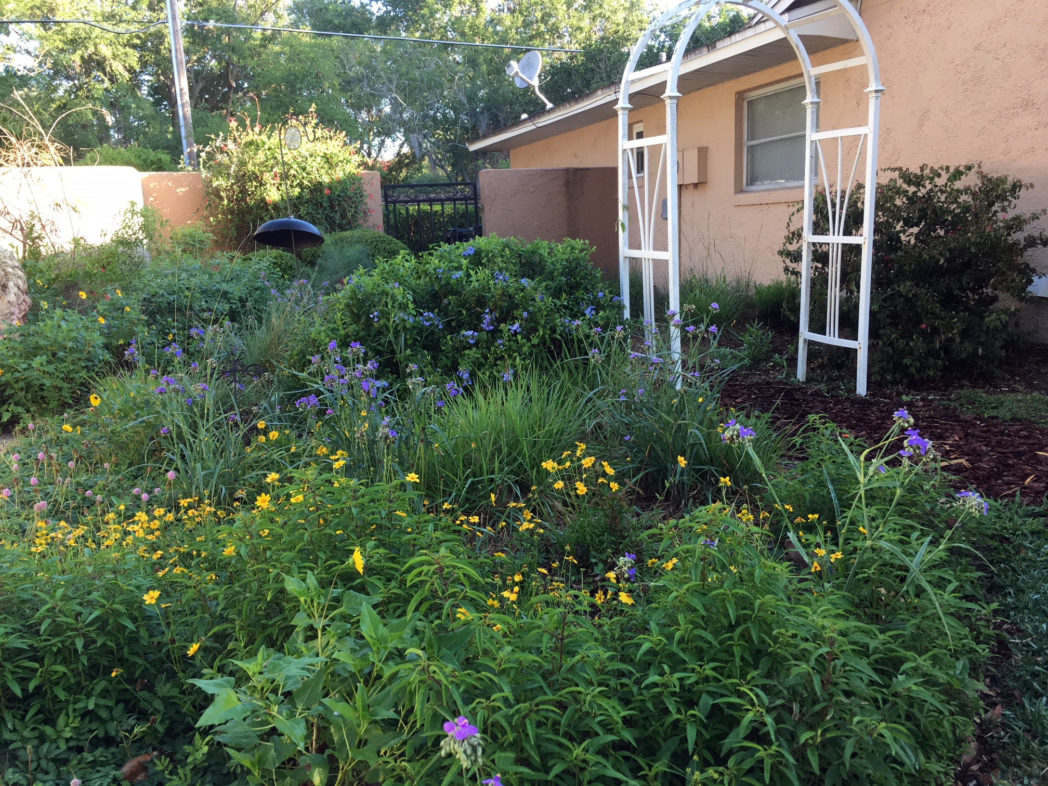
pixel 526 73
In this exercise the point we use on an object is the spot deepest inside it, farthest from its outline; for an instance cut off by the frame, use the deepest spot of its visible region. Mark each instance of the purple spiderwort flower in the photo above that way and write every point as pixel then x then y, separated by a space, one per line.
pixel 461 728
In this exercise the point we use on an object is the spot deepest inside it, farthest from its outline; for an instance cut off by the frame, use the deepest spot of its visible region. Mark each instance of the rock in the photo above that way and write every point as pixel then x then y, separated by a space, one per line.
pixel 14 289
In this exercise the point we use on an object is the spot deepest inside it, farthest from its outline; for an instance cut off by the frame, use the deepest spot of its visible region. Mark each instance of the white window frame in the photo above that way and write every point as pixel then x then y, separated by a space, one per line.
pixel 747 143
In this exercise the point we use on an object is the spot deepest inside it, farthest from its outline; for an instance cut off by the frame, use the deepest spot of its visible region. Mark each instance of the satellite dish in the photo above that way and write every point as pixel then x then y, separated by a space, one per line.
pixel 526 74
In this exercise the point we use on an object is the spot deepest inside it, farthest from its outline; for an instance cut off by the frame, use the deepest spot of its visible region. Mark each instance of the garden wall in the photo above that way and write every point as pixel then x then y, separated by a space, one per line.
pixel 87 202
pixel 553 204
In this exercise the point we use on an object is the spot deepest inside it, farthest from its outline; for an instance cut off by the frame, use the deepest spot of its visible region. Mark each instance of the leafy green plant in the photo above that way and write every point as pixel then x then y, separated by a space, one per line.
pixel 756 343
pixel 47 363
pixel 1032 407
pixel 490 306
pixel 144 159
pixel 733 298
pixel 778 302
pixel 243 180
pixel 948 243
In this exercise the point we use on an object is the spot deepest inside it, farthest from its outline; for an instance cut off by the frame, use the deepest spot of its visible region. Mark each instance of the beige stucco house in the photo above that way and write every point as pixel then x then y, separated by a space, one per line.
pixel 966 82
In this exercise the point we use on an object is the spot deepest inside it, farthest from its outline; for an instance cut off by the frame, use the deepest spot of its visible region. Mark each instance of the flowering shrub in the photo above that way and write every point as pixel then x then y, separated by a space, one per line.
pixel 487 306
pixel 948 243
pixel 243 180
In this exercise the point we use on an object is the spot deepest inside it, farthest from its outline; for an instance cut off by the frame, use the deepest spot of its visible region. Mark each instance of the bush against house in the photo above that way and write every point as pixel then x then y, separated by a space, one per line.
pixel 948 246
pixel 243 179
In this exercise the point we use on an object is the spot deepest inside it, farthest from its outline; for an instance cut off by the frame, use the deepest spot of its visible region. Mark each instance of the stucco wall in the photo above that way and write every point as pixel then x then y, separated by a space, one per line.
pixel 553 204
pixel 965 84
pixel 88 202
pixel 83 202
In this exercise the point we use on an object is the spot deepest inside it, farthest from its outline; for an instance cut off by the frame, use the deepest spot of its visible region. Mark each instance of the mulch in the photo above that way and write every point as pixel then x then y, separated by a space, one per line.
pixel 995 457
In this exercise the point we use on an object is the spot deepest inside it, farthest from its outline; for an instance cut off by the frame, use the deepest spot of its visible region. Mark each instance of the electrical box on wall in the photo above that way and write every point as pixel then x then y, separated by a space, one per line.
pixel 693 165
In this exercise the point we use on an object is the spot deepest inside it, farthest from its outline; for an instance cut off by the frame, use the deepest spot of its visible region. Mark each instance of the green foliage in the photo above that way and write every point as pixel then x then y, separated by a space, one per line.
pixel 243 182
pixel 143 159
pixel 757 343
pixel 778 303
pixel 948 244
pixel 343 253
pixel 1032 407
pixel 182 295
pixel 732 299
pixel 487 307
pixel 47 363
pixel 1019 553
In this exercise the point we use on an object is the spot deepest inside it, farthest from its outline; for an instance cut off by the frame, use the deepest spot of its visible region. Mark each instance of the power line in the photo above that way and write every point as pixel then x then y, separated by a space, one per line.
pixel 265 29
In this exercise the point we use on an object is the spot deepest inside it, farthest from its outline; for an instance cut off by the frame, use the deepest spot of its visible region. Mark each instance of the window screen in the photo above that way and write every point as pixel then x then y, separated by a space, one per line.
pixel 775 138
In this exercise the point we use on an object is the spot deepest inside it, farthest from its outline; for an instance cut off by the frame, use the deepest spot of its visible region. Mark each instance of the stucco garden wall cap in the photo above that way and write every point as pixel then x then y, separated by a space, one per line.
pixel 752 49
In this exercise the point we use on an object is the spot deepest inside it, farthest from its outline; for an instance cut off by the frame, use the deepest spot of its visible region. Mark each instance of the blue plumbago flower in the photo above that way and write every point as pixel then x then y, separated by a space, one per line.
pixel 333 345
pixel 713 329
pixel 624 568
pixel 315 359
pixel 496 781
pixel 453 389
pixel 196 332
pixel 463 374
pixel 501 277
pixel 507 375
pixel 711 543
pixel 714 307
pixel 131 353
pixel 973 502
pixel 456 275
pixel 622 395
pixel 902 417
pixel 356 349
pixel 526 282
pixel 514 328
pixel 374 316
pixel 308 402
pixel 690 328
pixel 470 336
pixel 470 251
pixel 488 322
pixel 619 330
pixel 590 311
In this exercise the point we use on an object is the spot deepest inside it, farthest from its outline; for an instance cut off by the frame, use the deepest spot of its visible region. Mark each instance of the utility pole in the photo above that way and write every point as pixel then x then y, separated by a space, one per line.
pixel 181 85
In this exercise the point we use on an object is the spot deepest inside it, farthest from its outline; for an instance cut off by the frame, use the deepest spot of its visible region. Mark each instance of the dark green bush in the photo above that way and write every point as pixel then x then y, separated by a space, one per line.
pixel 144 159
pixel 948 244
pixel 778 303
pixel 179 297
pixel 244 188
pixel 45 364
pixel 493 304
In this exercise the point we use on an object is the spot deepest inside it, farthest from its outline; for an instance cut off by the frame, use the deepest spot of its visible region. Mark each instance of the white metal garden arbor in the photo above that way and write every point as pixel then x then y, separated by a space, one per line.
pixel 658 180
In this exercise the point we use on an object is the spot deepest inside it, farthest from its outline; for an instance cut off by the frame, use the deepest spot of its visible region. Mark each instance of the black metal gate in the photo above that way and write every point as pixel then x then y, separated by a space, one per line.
pixel 422 214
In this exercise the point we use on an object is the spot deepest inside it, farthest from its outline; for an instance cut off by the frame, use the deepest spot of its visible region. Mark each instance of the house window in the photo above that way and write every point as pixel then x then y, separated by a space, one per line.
pixel 774 123
pixel 637 132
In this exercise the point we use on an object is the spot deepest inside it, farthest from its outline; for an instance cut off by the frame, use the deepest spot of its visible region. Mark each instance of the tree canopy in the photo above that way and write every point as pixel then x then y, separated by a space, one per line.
pixel 408 104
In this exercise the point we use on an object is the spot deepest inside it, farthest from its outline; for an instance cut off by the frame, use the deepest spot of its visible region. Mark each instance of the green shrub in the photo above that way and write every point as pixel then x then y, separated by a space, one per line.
pixel 191 240
pixel 144 159
pixel 47 363
pixel 948 244
pixel 284 262
pixel 177 297
pixel 344 253
pixel 243 180
pixel 488 307
pixel 778 303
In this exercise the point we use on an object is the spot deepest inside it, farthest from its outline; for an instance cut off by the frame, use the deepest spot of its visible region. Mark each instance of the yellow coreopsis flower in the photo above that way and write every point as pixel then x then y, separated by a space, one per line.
pixel 272 477
pixel 193 648
pixel 580 488
pixel 725 482
pixel 624 597
pixel 66 428
pixel 95 400
pixel 261 425
pixel 682 461
pixel 607 468
pixel 229 551
pixel 412 477
pixel 558 485
pixel 358 560
pixel 262 502
pixel 150 597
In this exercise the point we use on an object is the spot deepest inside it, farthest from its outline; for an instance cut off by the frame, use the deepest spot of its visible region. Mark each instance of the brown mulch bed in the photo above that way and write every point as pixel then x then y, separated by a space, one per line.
pixel 998 458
